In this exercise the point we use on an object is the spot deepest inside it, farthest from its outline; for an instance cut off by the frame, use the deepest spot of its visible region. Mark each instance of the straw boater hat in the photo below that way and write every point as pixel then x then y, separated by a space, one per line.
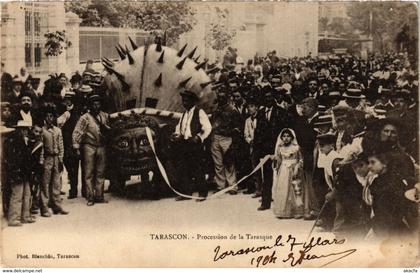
pixel 353 93
pixel 324 120
pixel 85 89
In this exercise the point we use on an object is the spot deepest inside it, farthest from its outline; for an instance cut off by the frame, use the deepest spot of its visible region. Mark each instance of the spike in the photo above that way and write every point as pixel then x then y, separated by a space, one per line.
pixel 181 63
pixel 122 55
pixel 161 57
pixel 133 44
pixel 196 59
pixel 204 84
pixel 158 81
pixel 159 45
pixel 191 54
pixel 184 83
pixel 109 69
pixel 164 38
pixel 201 65
pixel 213 70
pixel 181 51
pixel 130 58
pixel 216 86
pixel 107 62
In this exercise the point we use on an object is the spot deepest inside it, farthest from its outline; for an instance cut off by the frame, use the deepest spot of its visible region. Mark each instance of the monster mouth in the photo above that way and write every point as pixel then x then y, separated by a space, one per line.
pixel 135 165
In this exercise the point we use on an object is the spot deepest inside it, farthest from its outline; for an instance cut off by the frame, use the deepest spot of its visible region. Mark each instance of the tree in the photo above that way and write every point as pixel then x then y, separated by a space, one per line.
pixel 220 35
pixel 56 43
pixel 175 18
pixel 384 20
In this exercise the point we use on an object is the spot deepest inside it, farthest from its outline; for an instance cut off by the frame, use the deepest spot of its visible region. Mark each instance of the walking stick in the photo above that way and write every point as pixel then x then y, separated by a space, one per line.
pixel 317 218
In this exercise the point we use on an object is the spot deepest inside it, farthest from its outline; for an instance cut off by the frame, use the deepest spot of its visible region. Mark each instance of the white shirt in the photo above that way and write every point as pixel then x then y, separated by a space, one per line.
pixel 249 130
pixel 268 113
pixel 26 116
pixel 184 125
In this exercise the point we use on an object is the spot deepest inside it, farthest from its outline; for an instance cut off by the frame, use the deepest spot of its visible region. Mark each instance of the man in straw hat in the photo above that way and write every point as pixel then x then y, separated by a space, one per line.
pixel 191 131
pixel 18 165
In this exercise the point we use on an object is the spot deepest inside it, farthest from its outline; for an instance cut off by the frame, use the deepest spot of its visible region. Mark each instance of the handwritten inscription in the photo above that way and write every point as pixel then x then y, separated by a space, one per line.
pixel 298 251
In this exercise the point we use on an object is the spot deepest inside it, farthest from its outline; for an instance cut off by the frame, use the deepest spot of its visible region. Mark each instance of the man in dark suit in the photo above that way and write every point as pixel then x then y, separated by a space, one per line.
pixel 193 128
pixel 275 119
pixel 243 162
pixel 306 137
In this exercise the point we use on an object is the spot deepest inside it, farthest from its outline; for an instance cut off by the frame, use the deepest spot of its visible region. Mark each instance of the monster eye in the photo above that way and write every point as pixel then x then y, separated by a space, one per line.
pixel 123 143
pixel 143 142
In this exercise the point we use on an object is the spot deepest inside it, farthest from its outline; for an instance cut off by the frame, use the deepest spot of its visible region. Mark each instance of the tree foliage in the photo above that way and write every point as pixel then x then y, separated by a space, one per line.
pixel 175 18
pixel 220 35
pixel 389 19
pixel 56 43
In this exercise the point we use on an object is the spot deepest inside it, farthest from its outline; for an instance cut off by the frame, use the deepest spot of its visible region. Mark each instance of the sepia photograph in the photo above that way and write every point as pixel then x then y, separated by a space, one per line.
pixel 201 134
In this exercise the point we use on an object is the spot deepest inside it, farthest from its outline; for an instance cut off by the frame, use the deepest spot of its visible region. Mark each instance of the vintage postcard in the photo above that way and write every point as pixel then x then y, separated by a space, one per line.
pixel 189 134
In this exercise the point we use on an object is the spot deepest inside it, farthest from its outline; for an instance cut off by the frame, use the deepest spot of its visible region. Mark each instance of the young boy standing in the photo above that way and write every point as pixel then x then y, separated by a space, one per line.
pixel 52 159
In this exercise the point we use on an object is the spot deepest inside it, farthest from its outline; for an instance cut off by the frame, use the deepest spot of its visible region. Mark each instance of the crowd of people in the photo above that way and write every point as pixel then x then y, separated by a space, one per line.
pixel 341 132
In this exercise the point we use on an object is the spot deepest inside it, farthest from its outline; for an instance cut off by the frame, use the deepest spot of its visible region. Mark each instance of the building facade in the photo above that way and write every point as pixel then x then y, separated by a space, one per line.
pixel 23 26
pixel 290 28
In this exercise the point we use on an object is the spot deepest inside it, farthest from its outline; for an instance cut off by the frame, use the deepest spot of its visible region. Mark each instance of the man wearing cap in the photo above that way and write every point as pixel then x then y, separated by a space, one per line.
pixel 81 98
pixel 13 97
pixel 67 121
pixel 352 98
pixel 89 139
pixel 226 126
pixel 191 131
pixel 52 159
pixel 306 137
pixel 18 165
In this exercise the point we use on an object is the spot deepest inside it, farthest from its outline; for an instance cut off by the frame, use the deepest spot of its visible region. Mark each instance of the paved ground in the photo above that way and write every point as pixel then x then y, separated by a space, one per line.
pixel 119 234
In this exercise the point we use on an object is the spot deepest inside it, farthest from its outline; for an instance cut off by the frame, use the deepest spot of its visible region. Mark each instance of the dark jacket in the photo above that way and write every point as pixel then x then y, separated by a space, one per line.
pixel 18 155
pixel 389 204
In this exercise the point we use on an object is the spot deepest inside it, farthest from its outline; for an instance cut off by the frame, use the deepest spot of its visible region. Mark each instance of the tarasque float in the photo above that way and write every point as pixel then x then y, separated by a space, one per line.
pixel 143 88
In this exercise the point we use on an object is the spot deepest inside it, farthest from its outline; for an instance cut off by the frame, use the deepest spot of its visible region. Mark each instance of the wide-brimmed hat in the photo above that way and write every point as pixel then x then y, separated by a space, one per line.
pixel 69 94
pixel 413 194
pixel 323 120
pixel 353 93
pixel 94 97
pixel 22 124
pixel 334 94
pixel 85 89
pixel 189 94
pixel 16 80
pixel 353 157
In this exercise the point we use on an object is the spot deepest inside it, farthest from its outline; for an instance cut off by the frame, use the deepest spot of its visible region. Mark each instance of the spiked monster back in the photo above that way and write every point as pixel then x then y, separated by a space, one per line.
pixel 154 75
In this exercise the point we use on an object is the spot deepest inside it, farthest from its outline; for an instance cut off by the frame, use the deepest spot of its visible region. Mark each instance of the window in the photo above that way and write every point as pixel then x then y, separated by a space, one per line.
pixel 38 55
pixel 28 54
pixel 28 20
